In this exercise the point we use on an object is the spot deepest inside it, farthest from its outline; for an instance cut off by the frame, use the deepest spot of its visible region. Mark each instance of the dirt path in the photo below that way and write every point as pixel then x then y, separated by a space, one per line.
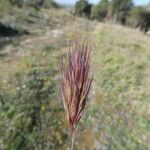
pixel 13 52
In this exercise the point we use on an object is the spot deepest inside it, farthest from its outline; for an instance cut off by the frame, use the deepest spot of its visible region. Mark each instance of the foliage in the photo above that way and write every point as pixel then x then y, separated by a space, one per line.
pixel 139 17
pixel 82 8
pixel 134 17
pixel 4 6
pixel 36 3
pixel 120 9
pixel 100 10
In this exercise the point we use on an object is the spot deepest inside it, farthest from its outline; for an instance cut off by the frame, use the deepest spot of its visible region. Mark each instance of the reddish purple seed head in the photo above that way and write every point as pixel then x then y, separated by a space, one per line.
pixel 76 80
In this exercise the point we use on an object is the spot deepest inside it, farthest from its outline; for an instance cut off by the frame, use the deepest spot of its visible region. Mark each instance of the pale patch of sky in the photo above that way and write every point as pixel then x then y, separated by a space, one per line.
pixel 71 2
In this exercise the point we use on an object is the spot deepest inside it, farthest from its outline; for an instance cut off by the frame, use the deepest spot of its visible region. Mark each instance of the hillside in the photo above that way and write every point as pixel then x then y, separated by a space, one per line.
pixel 31 111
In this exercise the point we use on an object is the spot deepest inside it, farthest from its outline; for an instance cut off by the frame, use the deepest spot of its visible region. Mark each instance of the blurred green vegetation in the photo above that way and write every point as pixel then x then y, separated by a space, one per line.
pixel 121 93
pixel 32 114
pixel 100 10
pixel 118 11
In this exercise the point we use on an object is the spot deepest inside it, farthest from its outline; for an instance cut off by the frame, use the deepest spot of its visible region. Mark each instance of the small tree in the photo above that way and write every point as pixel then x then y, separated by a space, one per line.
pixel 120 9
pixel 134 17
pixel 139 17
pixel 145 21
pixel 83 8
pixel 100 10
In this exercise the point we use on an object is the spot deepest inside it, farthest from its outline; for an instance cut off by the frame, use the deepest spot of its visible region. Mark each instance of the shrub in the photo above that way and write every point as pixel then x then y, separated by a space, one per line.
pixel 100 10
pixel 139 17
pixel 120 9
pixel 83 8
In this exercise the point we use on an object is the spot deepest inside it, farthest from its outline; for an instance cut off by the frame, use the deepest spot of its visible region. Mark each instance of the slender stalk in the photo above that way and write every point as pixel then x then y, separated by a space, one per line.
pixel 72 140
